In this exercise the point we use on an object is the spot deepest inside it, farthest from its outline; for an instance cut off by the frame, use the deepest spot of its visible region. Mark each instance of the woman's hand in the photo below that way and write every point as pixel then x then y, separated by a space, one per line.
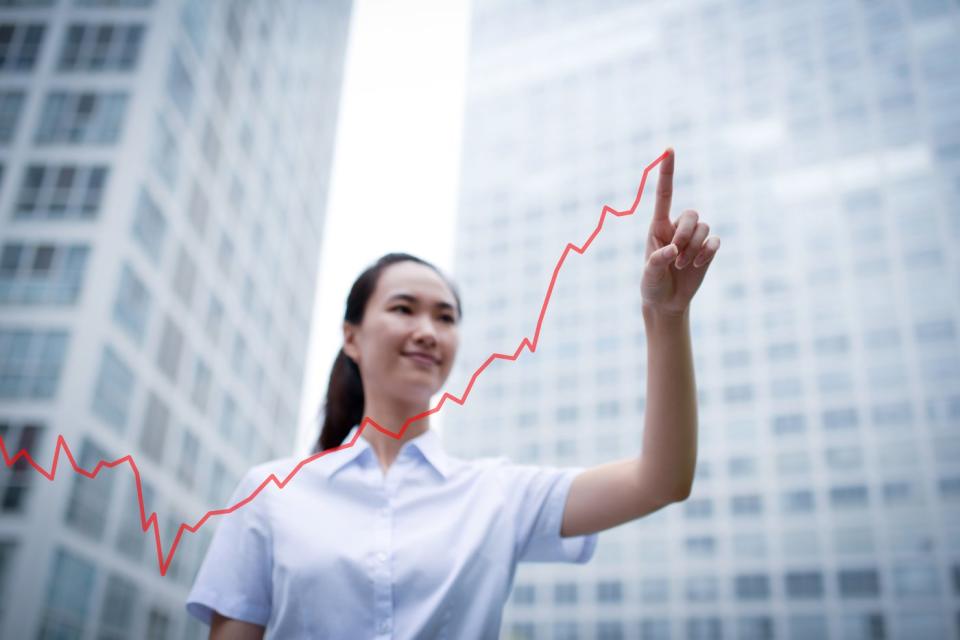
pixel 678 253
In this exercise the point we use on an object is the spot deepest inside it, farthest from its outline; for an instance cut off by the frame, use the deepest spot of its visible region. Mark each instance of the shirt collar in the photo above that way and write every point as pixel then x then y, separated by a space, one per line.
pixel 427 443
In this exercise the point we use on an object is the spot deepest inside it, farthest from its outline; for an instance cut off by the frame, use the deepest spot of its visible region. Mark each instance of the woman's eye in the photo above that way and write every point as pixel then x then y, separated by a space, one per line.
pixel 449 319
pixel 402 308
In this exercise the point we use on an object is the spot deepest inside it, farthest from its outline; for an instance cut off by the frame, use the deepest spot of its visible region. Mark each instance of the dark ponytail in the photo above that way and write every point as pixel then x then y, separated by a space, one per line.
pixel 343 407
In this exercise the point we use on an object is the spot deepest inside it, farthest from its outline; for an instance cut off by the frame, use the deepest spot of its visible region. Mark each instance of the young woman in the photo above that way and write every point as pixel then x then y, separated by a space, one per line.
pixel 390 537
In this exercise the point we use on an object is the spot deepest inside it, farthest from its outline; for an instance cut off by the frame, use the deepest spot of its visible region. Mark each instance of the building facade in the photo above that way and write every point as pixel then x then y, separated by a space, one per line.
pixel 164 170
pixel 821 142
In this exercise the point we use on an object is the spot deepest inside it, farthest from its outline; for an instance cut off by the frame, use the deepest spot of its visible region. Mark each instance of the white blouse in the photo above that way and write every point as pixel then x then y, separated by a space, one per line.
pixel 428 550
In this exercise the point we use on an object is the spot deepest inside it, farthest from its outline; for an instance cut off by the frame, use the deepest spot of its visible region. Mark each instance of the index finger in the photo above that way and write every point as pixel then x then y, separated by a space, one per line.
pixel 661 209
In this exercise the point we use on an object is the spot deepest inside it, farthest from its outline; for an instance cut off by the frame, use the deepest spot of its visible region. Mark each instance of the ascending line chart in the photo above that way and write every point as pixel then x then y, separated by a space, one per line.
pixel 164 559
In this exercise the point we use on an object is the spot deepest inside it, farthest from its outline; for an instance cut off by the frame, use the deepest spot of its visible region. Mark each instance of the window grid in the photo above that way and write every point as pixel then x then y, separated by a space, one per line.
pixel 62 191
pixel 71 117
pixel 15 481
pixel 99 47
pixel 20 46
pixel 42 273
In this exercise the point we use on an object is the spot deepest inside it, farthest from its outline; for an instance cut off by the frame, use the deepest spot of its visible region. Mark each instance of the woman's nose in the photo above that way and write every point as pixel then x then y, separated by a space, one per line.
pixel 425 329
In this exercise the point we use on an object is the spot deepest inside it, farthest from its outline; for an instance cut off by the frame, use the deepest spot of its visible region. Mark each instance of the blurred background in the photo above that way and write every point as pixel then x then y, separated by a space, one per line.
pixel 187 189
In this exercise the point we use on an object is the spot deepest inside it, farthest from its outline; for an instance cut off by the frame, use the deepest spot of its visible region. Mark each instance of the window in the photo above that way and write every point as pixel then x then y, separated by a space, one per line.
pixel 158 624
pixel 170 350
pixel 189 452
pixel 752 587
pixel 15 481
pixel 71 117
pixel 610 591
pixel 524 594
pixel 789 424
pixel 219 487
pixel 749 545
pixel 211 145
pixel 114 390
pixel 803 626
pixel 7 550
pixel 702 546
pixel 654 590
pixel 746 505
pixel 30 362
pixel 859 583
pixel 101 47
pixel 119 605
pixel 149 227
pixel 755 628
pixel 849 497
pixel 214 319
pixel 198 210
pixel 892 415
pixel 742 467
pixel 655 629
pixel 836 419
pixel 225 254
pixel 89 504
pixel 180 85
pixel 165 155
pixel 200 395
pixel 609 630
pixel 228 417
pixel 113 3
pixel 702 588
pixel 61 191
pixel 565 593
pixel 20 46
pixel 844 458
pixel 11 103
pixel 793 463
pixel 156 422
pixel 71 582
pixel 804 584
pixel 130 536
pixel 131 308
pixel 41 273
pixel 698 508
pixel 185 277
pixel 194 16
pixel 916 580
pixel 863 626
pixel 798 501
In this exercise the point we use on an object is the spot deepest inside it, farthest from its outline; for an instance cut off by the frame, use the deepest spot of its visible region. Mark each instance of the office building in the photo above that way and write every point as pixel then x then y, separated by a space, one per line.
pixel 164 169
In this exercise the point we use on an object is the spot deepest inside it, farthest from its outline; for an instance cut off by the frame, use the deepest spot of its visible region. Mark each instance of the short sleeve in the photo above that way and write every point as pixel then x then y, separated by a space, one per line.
pixel 541 495
pixel 235 577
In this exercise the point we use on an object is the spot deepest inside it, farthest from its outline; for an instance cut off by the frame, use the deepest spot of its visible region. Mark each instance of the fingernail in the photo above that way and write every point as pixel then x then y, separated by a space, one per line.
pixel 682 261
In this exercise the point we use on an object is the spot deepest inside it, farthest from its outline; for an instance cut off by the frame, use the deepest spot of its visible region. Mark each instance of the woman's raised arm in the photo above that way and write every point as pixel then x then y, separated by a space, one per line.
pixel 222 628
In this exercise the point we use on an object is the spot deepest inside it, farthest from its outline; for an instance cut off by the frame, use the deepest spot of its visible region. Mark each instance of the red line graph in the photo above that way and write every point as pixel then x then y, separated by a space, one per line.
pixel 147 522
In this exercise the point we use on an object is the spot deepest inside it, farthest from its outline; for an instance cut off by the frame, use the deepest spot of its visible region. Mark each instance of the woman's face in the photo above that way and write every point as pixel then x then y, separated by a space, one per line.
pixel 411 311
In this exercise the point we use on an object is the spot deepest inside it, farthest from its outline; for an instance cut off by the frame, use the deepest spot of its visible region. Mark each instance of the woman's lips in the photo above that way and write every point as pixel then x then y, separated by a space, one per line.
pixel 421 359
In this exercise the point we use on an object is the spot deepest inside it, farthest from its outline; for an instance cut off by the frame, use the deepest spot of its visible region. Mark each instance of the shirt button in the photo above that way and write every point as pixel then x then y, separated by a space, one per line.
pixel 384 626
pixel 382 557
pixel 384 512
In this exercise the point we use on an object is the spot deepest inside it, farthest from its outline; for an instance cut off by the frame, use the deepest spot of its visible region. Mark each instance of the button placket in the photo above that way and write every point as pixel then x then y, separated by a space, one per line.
pixel 382 569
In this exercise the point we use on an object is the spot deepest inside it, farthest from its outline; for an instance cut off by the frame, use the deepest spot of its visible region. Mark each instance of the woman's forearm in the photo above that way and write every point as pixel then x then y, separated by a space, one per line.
pixel 670 432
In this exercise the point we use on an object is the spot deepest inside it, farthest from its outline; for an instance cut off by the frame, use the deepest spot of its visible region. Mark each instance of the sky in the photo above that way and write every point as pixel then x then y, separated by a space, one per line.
pixel 396 166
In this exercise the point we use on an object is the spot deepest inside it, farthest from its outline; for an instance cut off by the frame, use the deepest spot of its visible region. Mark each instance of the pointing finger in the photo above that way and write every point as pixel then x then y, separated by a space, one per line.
pixel 661 210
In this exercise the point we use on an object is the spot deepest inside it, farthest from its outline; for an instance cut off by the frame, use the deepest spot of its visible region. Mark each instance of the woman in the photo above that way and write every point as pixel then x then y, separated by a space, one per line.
pixel 389 536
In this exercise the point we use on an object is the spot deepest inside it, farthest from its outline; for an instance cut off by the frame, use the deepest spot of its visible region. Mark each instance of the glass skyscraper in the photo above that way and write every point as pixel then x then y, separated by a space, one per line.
pixel 821 142
pixel 164 169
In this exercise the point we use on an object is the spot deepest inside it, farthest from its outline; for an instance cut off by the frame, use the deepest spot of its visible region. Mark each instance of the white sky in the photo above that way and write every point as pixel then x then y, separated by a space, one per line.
pixel 396 163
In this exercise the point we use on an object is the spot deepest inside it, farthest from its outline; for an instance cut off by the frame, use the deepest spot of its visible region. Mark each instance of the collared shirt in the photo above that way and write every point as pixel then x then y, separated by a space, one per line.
pixel 427 550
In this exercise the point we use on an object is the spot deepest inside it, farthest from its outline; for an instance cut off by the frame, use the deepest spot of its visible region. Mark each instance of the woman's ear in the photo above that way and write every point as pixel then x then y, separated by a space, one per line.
pixel 349 341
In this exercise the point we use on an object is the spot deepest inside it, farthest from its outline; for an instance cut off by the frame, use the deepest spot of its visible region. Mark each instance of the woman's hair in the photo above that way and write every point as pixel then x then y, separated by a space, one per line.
pixel 343 407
